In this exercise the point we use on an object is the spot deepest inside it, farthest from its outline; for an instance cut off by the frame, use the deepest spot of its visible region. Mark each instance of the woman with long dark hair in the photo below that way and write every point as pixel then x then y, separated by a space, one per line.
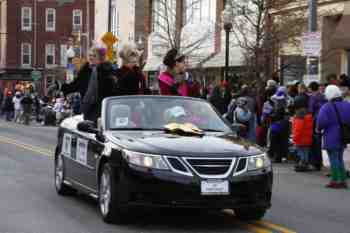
pixel 168 80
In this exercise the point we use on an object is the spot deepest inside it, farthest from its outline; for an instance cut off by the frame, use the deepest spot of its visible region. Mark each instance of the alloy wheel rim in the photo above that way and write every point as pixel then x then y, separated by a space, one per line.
pixel 59 172
pixel 105 194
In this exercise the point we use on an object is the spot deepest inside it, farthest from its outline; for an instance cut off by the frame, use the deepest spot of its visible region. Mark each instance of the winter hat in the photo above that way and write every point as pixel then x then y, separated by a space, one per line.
pixel 173 113
pixel 129 54
pixel 332 92
pixel 280 94
pixel 271 83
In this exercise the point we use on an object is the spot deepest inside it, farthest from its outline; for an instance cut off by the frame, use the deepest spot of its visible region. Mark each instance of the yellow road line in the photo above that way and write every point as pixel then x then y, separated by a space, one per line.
pixel 262 226
pixel 32 148
pixel 255 229
pixel 274 226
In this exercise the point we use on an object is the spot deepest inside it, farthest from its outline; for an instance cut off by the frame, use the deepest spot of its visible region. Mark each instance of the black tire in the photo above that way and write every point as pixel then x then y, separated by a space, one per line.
pixel 109 206
pixel 250 214
pixel 61 188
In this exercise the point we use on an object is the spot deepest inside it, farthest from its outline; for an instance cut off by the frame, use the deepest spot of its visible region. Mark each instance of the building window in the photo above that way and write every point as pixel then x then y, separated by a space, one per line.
pixel 26 19
pixel 198 11
pixel 26 50
pixel 164 16
pixel 50 54
pixel 50 20
pixel 77 20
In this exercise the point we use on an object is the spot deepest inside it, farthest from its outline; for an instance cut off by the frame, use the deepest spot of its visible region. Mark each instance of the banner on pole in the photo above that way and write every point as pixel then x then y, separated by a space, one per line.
pixel 312 44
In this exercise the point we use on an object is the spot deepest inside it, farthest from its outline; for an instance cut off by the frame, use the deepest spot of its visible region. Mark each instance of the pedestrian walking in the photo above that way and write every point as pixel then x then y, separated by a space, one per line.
pixel 27 103
pixel 171 81
pixel 37 106
pixel 8 108
pixel 17 99
pixel 302 131
pixel 279 127
pixel 334 121
pixel 316 101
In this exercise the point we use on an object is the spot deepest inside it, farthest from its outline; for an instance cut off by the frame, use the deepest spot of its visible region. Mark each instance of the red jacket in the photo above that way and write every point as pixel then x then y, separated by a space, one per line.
pixel 302 129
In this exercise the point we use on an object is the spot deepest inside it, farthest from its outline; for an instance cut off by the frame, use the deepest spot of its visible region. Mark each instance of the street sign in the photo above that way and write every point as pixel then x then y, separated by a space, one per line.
pixel 109 39
pixel 312 44
pixel 36 75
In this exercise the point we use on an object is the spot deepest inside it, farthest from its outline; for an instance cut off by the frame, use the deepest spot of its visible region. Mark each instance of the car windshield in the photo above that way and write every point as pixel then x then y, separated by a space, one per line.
pixel 152 113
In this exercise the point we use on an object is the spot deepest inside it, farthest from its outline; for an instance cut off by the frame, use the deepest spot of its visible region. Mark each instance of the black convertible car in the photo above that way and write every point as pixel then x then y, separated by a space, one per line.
pixel 132 159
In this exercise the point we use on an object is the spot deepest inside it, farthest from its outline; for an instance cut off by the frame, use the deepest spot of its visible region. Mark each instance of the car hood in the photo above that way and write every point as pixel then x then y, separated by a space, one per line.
pixel 170 144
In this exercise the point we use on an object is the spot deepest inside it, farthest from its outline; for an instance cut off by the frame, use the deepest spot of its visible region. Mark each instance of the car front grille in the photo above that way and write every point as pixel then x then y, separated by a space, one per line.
pixel 211 167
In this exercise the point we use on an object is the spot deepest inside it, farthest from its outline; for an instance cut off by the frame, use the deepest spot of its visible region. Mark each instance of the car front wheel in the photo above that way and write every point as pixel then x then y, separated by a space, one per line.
pixel 250 214
pixel 108 197
pixel 61 187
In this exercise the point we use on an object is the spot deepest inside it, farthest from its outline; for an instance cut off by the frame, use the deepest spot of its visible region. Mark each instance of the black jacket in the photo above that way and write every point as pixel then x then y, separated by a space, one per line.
pixel 80 83
pixel 106 87
pixel 130 81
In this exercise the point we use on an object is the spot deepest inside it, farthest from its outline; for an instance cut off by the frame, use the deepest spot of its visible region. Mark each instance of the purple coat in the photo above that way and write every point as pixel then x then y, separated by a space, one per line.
pixel 315 103
pixel 328 123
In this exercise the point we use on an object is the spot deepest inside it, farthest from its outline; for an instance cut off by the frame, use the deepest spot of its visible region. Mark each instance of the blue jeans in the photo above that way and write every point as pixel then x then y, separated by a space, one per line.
pixel 336 158
pixel 303 153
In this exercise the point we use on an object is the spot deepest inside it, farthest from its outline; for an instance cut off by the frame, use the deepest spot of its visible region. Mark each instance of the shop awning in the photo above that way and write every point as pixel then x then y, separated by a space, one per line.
pixel 153 63
pixel 236 59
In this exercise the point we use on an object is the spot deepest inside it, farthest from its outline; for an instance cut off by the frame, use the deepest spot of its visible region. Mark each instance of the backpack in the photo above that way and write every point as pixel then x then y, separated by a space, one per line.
pixel 344 127
pixel 242 116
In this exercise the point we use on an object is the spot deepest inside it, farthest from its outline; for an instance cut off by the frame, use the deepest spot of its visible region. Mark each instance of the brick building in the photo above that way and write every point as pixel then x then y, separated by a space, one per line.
pixel 333 23
pixel 35 35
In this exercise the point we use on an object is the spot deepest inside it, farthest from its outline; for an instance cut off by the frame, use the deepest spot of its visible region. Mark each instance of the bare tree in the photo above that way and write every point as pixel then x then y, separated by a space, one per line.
pixel 174 28
pixel 258 33
pixel 263 28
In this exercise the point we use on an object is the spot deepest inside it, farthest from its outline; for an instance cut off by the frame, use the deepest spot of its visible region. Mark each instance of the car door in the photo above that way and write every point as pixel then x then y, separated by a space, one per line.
pixel 86 154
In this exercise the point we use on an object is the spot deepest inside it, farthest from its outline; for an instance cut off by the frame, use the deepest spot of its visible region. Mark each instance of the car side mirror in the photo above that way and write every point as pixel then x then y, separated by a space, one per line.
pixel 90 127
pixel 87 127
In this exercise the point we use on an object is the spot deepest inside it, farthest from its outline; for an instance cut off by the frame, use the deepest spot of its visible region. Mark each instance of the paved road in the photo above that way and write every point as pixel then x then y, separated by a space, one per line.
pixel 29 203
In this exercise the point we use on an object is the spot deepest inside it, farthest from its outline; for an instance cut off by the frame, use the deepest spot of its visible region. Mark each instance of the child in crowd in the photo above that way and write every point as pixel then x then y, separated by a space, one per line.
pixel 302 129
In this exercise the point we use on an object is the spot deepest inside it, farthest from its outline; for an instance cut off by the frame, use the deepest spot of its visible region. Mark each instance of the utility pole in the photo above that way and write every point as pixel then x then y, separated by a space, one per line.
pixel 312 15
pixel 312 61
pixel 109 15
pixel 87 27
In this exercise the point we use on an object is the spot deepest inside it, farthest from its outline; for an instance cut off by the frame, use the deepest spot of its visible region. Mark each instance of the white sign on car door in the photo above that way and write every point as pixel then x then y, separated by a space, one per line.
pixel 82 149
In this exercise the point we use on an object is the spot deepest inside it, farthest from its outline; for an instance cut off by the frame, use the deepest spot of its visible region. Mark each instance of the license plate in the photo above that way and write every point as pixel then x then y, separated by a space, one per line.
pixel 215 187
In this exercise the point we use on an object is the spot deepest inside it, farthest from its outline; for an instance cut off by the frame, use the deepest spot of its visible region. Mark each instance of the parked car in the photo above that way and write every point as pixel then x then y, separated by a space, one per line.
pixel 158 151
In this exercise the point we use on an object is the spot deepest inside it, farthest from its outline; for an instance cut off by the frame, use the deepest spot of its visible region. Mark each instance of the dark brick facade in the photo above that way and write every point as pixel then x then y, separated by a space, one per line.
pixel 63 31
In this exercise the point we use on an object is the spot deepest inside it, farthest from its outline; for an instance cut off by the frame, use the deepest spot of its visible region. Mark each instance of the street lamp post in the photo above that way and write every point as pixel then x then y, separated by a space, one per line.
pixel 227 18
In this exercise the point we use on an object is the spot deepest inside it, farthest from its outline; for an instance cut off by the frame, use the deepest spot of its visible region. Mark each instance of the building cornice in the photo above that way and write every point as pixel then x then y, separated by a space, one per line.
pixel 303 6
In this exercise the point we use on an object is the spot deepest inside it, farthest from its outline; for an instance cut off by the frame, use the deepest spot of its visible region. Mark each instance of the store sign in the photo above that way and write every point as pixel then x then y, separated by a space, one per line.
pixel 312 44
pixel 36 75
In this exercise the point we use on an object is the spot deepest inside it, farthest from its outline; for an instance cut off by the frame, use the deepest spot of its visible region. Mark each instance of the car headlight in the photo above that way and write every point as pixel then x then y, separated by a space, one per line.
pixel 258 162
pixel 145 160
